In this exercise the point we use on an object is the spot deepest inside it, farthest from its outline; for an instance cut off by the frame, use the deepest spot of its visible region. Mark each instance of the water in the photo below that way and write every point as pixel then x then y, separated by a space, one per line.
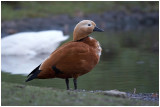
pixel 129 60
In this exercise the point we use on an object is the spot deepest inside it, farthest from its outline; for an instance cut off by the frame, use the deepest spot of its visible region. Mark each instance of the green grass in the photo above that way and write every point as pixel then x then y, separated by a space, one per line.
pixel 19 95
pixel 18 10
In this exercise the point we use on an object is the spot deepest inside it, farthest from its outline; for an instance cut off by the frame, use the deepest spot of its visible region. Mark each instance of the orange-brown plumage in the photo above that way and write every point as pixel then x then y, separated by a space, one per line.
pixel 74 58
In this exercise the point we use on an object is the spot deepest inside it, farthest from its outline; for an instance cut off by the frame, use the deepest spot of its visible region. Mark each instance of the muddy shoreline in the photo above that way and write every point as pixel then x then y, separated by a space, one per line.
pixel 108 20
pixel 144 96
pixel 130 95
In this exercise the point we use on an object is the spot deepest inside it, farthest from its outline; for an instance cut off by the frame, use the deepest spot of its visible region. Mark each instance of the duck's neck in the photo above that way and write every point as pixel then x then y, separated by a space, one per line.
pixel 89 41
pixel 79 34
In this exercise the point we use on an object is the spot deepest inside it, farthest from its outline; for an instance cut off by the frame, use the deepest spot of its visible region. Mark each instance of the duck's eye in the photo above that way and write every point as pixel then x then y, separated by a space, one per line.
pixel 89 24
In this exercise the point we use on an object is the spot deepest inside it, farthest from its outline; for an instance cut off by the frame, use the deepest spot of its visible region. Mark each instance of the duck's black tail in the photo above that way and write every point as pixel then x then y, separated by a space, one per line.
pixel 33 74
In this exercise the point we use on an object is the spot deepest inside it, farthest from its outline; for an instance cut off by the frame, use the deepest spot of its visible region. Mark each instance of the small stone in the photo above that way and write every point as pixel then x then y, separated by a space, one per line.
pixel 140 62
pixel 91 91
pixel 116 93
pixel 83 90
pixel 154 95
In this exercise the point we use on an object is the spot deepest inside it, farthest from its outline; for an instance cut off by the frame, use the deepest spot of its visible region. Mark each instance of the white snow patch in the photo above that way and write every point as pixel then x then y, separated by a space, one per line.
pixel 22 52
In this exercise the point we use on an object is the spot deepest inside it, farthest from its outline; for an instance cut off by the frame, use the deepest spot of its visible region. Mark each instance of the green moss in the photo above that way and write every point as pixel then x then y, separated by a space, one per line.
pixel 19 95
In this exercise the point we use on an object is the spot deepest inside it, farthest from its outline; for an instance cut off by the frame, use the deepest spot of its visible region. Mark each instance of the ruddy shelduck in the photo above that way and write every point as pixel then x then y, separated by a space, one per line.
pixel 72 59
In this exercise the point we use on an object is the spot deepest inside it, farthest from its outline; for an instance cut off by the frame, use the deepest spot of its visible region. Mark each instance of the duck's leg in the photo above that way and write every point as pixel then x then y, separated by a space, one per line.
pixel 75 83
pixel 67 83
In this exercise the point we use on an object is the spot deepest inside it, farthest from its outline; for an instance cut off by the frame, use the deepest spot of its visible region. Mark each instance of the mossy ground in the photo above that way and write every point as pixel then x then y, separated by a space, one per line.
pixel 20 95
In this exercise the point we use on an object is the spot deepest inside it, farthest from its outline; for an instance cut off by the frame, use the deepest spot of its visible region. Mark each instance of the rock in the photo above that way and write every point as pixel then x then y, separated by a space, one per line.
pixel 116 93
pixel 144 96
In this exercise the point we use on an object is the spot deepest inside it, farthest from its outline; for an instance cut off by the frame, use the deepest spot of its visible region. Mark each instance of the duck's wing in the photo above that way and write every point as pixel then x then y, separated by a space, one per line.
pixel 45 70
pixel 66 55
pixel 37 70
pixel 33 74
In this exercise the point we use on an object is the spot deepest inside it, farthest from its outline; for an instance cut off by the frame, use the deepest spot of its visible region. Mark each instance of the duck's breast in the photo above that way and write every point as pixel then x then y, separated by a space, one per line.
pixel 94 44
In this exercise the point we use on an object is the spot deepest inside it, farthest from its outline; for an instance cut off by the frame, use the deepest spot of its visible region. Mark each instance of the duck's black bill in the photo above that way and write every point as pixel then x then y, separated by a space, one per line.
pixel 98 29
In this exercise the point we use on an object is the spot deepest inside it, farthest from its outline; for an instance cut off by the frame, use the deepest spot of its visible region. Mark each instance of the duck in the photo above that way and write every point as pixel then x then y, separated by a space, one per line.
pixel 21 52
pixel 72 59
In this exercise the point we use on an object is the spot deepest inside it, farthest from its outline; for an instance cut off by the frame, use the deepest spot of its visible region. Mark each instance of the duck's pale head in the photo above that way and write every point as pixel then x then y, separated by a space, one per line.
pixel 84 28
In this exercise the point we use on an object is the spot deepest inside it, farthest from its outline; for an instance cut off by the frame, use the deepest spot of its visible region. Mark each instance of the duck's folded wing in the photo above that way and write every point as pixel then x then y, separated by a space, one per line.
pixel 59 59
pixel 66 51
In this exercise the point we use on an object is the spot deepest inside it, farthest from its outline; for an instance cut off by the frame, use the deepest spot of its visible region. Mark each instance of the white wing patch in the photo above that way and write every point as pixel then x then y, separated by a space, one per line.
pixel 91 38
pixel 99 49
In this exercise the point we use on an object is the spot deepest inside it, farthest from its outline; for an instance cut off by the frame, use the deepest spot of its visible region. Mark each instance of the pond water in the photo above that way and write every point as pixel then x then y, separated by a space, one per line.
pixel 129 60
